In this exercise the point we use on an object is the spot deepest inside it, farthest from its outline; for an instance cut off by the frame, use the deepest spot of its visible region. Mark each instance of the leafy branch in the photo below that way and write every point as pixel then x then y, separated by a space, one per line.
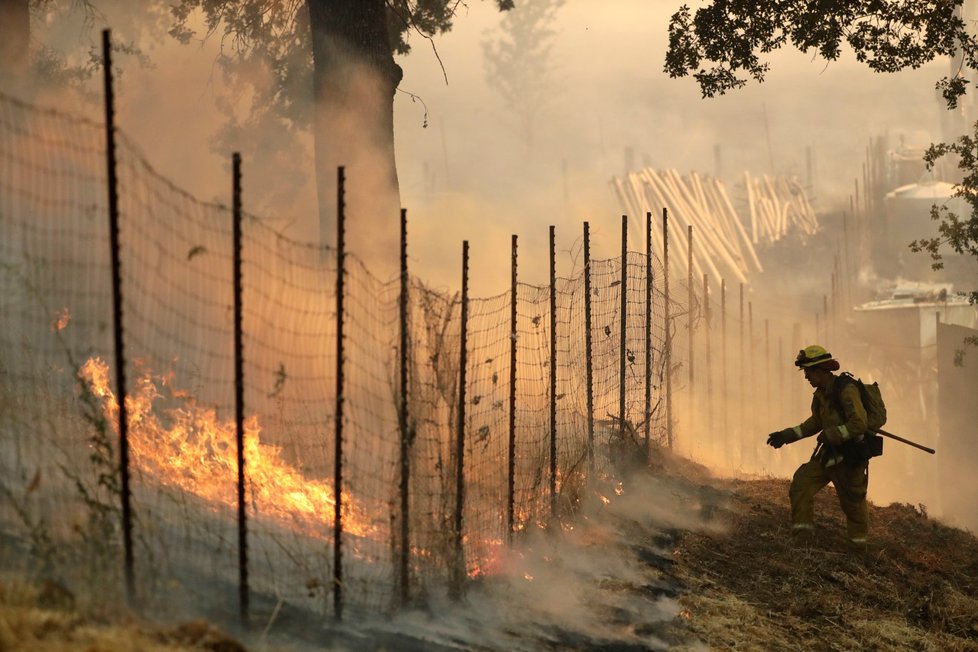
pixel 957 232
pixel 721 44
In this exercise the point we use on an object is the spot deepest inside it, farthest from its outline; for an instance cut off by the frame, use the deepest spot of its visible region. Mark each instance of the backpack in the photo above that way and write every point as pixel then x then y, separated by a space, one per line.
pixel 872 399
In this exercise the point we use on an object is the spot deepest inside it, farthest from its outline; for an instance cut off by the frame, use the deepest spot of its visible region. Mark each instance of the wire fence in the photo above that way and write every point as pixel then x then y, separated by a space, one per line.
pixel 529 447
pixel 300 434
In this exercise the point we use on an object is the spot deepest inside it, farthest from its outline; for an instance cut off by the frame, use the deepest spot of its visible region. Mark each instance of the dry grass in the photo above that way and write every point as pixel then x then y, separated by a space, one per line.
pixel 744 585
pixel 44 617
pixel 750 588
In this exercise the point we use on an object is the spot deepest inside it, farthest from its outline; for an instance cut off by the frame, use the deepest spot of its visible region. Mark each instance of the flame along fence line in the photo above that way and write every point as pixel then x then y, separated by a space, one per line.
pixel 33 284
pixel 438 394
pixel 192 278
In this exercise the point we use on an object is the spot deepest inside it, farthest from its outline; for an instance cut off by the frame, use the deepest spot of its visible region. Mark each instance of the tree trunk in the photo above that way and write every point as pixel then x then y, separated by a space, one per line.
pixel 15 34
pixel 354 79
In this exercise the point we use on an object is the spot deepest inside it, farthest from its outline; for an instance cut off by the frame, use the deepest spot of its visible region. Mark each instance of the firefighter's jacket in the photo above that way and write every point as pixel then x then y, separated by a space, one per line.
pixel 836 428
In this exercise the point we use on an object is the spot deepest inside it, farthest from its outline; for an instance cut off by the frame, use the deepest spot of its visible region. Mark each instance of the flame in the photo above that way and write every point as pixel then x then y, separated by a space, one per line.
pixel 197 453
pixel 61 320
pixel 494 562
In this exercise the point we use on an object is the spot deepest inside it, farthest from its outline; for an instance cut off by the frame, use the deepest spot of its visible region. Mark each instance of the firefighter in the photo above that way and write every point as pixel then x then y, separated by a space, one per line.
pixel 840 418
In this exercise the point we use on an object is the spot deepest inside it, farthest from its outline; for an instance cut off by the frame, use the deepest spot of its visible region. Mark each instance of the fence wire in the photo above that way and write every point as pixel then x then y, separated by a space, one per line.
pixel 60 506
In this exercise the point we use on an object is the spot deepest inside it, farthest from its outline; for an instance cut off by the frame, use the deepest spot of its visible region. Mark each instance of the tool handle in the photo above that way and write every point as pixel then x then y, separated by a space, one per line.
pixel 905 441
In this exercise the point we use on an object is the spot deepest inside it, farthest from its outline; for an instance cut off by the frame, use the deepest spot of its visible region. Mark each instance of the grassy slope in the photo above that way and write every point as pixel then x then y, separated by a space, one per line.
pixel 44 618
pixel 742 586
pixel 915 588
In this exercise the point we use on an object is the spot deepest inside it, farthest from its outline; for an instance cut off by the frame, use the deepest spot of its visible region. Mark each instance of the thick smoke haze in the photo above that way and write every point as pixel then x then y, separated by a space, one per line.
pixel 465 168
pixel 465 171
pixel 468 169
pixel 613 95
pixel 604 582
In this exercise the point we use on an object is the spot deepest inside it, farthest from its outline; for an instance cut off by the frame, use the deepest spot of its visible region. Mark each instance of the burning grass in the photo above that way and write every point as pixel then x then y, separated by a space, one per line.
pixel 914 588
pixel 733 578
pixel 189 448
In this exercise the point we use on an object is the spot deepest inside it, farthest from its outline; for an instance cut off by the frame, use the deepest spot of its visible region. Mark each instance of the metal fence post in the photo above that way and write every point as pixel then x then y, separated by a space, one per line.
pixel 742 385
pixel 668 323
pixel 825 320
pixel 624 323
pixel 648 332
pixel 829 319
pixel 847 270
pixel 511 467
pixel 403 419
pixel 117 332
pixel 588 349
pixel 709 353
pixel 459 565
pixel 780 364
pixel 689 318
pixel 553 372
pixel 767 370
pixel 836 298
pixel 723 353
pixel 751 393
pixel 795 391
pixel 239 388
pixel 338 422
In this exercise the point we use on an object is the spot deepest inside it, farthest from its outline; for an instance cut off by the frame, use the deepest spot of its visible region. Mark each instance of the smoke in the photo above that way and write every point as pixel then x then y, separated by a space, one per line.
pixel 603 580
pixel 465 173
pixel 463 166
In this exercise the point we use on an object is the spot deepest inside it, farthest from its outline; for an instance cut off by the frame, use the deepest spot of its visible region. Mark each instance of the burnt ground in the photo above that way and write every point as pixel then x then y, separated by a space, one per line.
pixel 733 579
pixel 914 588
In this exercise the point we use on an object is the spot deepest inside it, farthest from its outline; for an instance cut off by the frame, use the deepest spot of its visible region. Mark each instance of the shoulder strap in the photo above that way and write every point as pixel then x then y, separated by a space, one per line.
pixel 841 381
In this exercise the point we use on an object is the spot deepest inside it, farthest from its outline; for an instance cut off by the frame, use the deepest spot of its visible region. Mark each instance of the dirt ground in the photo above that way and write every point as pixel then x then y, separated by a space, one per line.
pixel 742 585
pixel 751 588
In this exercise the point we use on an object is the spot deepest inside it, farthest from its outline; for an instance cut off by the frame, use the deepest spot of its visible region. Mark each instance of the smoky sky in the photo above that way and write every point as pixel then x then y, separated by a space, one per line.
pixel 464 169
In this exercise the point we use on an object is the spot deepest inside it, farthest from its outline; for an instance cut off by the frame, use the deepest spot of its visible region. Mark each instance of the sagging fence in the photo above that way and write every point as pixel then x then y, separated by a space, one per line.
pixel 268 455
pixel 388 440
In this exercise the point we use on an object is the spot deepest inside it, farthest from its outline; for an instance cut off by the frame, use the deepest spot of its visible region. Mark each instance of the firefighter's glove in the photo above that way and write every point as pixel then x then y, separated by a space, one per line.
pixel 780 438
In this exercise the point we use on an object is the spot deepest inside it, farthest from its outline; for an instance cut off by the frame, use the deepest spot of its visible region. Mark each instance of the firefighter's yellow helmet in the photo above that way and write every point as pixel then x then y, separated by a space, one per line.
pixel 811 356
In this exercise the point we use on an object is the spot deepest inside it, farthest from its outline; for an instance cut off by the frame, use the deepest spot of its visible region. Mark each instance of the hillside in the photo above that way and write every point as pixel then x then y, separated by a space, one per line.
pixel 671 558
pixel 915 588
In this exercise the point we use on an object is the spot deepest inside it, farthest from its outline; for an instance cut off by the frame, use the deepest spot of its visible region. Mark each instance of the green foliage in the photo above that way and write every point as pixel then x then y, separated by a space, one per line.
pixel 265 55
pixel 424 17
pixel 95 546
pixel 959 354
pixel 722 44
pixel 267 60
pixel 79 21
pixel 959 232
pixel 101 499
pixel 51 66
pixel 280 378
pixel 42 547
pixel 274 39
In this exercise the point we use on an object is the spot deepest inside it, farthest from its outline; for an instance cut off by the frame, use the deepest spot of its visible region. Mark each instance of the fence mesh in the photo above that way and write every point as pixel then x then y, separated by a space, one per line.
pixel 59 482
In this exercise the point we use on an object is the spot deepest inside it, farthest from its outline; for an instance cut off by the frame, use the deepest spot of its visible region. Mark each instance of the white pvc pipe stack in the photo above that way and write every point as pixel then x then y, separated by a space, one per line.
pixel 775 207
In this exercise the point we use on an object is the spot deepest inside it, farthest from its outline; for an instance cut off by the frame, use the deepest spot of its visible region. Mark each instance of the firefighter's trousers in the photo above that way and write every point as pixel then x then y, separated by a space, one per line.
pixel 850 481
